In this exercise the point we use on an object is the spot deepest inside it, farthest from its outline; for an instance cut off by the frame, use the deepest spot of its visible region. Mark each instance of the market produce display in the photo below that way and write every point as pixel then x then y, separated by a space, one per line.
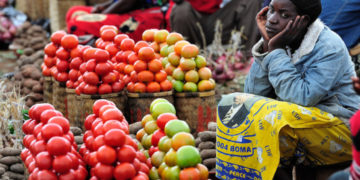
pixel 50 151
pixel 11 166
pixel 108 149
pixel 170 145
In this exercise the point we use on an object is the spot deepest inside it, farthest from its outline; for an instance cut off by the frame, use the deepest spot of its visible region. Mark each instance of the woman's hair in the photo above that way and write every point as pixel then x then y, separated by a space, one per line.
pixel 312 8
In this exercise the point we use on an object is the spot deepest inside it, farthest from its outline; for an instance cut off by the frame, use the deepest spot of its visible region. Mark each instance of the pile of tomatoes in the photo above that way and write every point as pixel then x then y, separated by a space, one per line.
pixel 108 149
pixel 50 151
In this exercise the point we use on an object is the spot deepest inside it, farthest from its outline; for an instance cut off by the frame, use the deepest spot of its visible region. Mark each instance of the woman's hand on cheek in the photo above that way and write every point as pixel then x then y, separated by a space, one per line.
pixel 293 30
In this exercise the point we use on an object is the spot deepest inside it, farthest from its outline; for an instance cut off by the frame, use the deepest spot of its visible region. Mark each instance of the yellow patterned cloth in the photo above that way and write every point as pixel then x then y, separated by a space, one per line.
pixel 255 133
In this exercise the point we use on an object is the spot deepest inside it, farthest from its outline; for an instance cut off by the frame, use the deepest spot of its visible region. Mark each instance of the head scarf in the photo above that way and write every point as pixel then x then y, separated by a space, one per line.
pixel 312 8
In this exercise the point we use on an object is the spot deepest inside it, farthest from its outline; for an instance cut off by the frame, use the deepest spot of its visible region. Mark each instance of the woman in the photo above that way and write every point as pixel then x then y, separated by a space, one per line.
pixel 306 67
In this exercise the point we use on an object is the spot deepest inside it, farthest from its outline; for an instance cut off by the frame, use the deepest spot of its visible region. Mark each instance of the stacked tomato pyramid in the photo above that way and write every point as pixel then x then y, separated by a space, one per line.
pixel 170 144
pixel 108 149
pixel 50 151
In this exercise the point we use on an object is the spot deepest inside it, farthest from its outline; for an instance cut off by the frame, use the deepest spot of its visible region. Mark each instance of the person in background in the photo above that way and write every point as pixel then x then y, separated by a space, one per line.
pixel 192 17
pixel 130 16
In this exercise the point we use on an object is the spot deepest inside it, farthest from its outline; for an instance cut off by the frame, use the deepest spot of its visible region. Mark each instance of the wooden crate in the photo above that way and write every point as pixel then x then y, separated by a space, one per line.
pixel 58 10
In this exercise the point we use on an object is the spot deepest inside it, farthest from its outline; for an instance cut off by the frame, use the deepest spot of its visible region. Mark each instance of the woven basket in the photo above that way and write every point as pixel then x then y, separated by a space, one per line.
pixel 59 97
pixel 87 102
pixel 48 89
pixel 73 108
pixel 58 10
pixel 35 9
pixel 139 104
pixel 196 108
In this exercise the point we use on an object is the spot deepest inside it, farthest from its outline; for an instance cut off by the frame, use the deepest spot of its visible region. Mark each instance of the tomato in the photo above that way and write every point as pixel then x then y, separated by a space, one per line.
pixel 189 173
pixel 62 65
pixel 28 126
pixel 70 84
pixel 75 160
pixel 99 103
pixel 31 167
pixel 112 124
pixel 62 164
pixel 91 78
pixel 166 85
pixel 140 87
pixel 144 168
pixel 50 50
pixel 164 118
pixel 103 68
pixel 37 129
pixel 124 171
pixel 141 156
pixel 95 123
pixel 155 65
pixel 46 175
pixel 54 71
pixel 75 63
pixel 139 45
pixel 126 154
pixel 49 61
pixel 115 137
pixel 62 54
pixel 101 55
pixel 58 146
pixel 153 149
pixel 146 54
pixel 24 154
pixel 36 110
pixel 62 77
pixel 69 136
pixel 82 68
pixel 76 52
pixel 68 176
pixel 106 154
pixel 46 71
pixel 57 36
pixel 98 142
pixel 129 141
pixel 48 114
pixel 80 173
pixel 127 44
pixel 98 130
pixel 146 76
pixel 140 66
pixel 89 53
pixel 160 76
pixel 90 65
pixel 108 34
pixel 62 121
pixel 155 138
pixel 109 78
pixel 93 160
pixel 73 75
pixel 118 39
pixel 43 160
pixel 112 114
pixel 37 147
pixel 28 139
pixel 105 108
pixel 89 120
pixel 112 49
pixel 153 87
pixel 105 89
pixel 50 130
pixel 69 41
pixel 132 58
pixel 104 171
pixel 90 89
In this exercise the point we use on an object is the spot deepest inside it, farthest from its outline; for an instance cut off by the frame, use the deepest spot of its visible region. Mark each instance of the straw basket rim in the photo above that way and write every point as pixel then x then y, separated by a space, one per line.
pixel 48 78
pixel 195 94
pixel 68 90
pixel 149 95
pixel 101 96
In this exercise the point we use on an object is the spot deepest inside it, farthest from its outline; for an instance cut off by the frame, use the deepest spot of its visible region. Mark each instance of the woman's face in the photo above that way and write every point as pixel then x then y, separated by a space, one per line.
pixel 279 14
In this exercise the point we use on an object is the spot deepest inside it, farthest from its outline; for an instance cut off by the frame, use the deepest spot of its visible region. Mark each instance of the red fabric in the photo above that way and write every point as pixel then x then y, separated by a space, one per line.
pixel 355 129
pixel 147 19
pixel 205 6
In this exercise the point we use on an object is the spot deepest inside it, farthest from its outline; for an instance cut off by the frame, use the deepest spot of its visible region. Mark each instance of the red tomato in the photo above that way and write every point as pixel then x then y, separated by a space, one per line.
pixel 115 137
pixel 112 49
pixel 58 146
pixel 129 141
pixel 50 130
pixel 93 159
pixel 132 58
pixel 36 110
pixel 95 123
pixel 28 139
pixel 141 176
pixel 24 154
pixel 89 120
pixel 108 34
pixel 75 63
pixel 117 86
pixel 126 154
pixel 144 168
pixel 118 39
pixel 127 44
pixel 152 150
pixel 81 173
pixel 57 36
pixel 70 84
pixel 98 142
pixel 103 68
pixel 89 53
pixel 82 68
pixel 99 130
pixel 50 49
pixel 28 126
pixel 105 89
pixel 46 175
pixel 75 160
pixel 124 171
pixel 62 54
pixel 62 77
pixel 90 89
pixel 106 154
pixel 37 147
pixel 104 171
pixel 112 114
pixel 99 103
pixel 69 136
pixel 62 121
pixel 76 52
pixel 105 108
pixel 112 124
pixel 90 65
pixel 37 129
pixel 62 65
pixel 109 78
pixel 101 56
pixel 31 167
pixel 68 176
pixel 91 78
pixel 69 41
pixel 43 160
pixel 141 156
pixel 62 164
pixel 73 75
pixel 49 61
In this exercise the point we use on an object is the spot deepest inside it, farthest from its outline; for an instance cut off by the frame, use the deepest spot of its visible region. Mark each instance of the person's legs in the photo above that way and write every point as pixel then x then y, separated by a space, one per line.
pixel 184 19
pixel 235 15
